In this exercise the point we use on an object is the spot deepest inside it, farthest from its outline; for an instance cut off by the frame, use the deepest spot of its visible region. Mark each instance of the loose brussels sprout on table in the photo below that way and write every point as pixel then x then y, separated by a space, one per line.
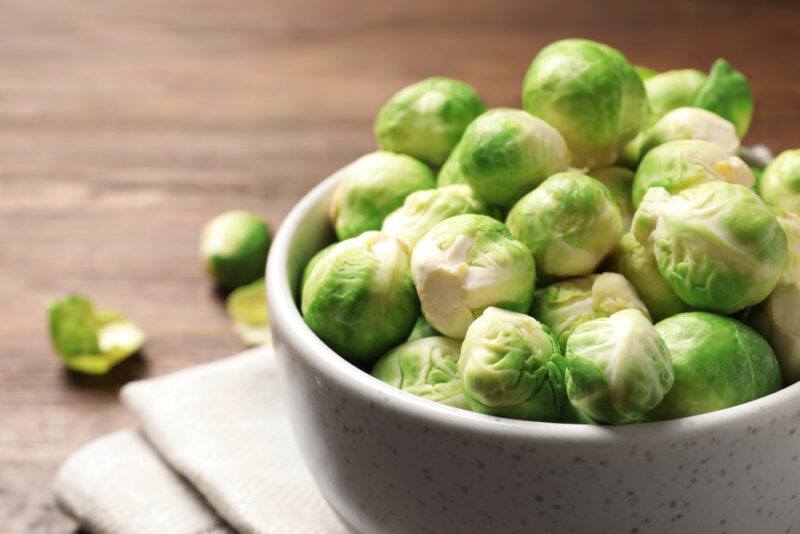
pixel 619 191
pixel 372 187
pixel 234 247
pixel 427 119
pixel 570 223
pixel 465 264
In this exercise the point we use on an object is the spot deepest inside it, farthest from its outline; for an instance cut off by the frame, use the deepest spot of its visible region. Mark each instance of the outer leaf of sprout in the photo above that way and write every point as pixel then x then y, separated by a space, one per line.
pixel 780 184
pixel 91 341
pixel 247 307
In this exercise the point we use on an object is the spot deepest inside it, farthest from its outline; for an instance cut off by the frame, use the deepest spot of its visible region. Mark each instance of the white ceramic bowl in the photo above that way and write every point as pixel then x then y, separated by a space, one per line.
pixel 388 461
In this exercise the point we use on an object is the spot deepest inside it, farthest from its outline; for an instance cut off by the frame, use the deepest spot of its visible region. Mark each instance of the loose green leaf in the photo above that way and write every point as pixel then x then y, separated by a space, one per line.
pixel 247 306
pixel 91 341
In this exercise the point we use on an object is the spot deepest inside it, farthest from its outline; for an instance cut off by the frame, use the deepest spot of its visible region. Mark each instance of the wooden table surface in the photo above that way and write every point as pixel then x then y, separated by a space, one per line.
pixel 125 125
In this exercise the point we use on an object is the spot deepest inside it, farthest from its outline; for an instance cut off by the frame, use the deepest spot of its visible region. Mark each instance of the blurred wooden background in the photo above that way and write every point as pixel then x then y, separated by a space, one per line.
pixel 125 125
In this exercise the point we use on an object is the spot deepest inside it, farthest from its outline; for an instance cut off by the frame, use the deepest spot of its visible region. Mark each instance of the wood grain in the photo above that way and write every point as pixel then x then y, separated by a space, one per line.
pixel 125 125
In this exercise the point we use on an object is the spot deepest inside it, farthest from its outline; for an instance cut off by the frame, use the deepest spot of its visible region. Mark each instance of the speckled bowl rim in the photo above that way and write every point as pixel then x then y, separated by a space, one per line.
pixel 292 330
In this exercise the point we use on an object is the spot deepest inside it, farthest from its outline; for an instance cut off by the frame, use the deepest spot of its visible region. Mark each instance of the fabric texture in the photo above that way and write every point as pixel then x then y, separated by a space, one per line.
pixel 216 430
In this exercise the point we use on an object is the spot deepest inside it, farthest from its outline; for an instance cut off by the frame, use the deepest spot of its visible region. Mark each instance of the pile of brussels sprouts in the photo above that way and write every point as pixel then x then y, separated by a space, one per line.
pixel 593 258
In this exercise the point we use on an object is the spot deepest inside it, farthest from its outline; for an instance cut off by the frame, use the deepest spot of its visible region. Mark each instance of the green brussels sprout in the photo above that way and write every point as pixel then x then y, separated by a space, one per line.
pixel 510 366
pixel 619 181
pixel 591 94
pixel 618 368
pixel 678 165
pixel 718 363
pixel 780 183
pixel 506 152
pixel 672 89
pixel 247 307
pixel 372 187
pixel 91 340
pixel 570 223
pixel 644 73
pixel 565 305
pixel 425 120
pixel 422 329
pixel 778 317
pixel 359 297
pixel 718 246
pixel 467 263
pixel 726 92
pixel 691 123
pixel 423 209
pixel 638 265
pixel 234 248
pixel 450 173
pixel 427 368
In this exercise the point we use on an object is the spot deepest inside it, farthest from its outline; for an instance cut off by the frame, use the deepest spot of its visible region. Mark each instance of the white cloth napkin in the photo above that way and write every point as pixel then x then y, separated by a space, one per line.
pixel 217 431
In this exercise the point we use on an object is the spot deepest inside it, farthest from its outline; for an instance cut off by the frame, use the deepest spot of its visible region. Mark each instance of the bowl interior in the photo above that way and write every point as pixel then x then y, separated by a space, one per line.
pixel 307 229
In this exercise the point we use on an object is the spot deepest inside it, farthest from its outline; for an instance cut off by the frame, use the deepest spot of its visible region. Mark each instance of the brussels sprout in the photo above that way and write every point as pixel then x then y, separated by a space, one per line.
pixel 565 305
pixel 89 340
pixel 510 366
pixel 425 120
pixel 423 209
pixel 638 265
pixel 247 306
pixel 619 181
pixel 717 245
pixel 427 368
pixel 678 165
pixel 780 183
pixel 618 368
pixel 778 317
pixel 727 93
pixel 506 152
pixel 372 187
pixel 570 223
pixel 591 94
pixel 465 264
pixel 422 329
pixel 234 248
pixel 644 73
pixel 718 362
pixel 691 123
pixel 450 173
pixel 359 297
pixel 672 89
